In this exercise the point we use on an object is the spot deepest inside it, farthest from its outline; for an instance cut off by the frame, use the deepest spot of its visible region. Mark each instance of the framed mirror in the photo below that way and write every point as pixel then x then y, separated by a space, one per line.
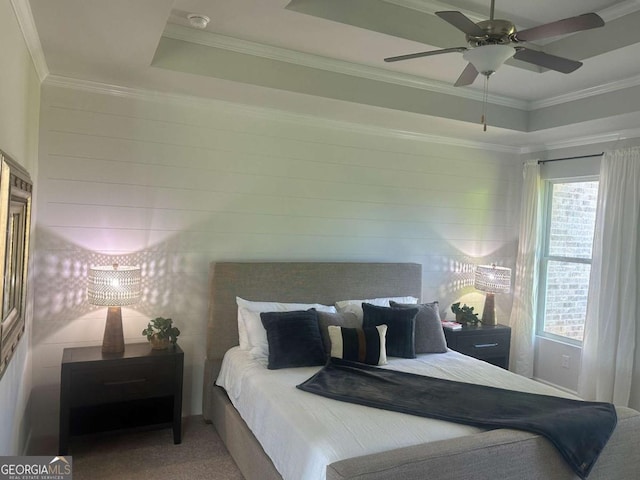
pixel 15 219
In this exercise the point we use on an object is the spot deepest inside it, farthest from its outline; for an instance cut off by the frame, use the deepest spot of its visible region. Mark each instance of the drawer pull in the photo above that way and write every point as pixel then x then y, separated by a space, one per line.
pixel 125 382
pixel 485 345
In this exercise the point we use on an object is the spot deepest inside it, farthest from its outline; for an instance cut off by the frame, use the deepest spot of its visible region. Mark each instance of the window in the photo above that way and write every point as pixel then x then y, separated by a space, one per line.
pixel 569 221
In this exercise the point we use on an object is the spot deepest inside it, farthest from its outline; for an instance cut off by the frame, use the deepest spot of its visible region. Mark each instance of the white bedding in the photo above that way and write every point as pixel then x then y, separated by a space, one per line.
pixel 303 433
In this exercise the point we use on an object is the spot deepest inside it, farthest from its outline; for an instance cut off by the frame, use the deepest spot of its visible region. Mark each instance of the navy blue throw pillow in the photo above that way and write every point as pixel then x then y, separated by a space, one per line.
pixel 401 327
pixel 294 339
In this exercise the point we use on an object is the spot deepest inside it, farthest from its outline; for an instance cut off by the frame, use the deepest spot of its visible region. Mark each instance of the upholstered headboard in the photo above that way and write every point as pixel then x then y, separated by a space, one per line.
pixel 300 282
pixel 482 455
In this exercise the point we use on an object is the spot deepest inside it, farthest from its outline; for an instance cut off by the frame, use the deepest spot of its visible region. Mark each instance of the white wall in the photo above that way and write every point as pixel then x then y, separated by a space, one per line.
pixel 173 186
pixel 557 363
pixel 19 104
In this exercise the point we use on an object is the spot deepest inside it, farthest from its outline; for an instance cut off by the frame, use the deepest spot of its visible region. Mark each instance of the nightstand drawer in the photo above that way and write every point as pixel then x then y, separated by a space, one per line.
pixel 481 346
pixel 490 343
pixel 108 384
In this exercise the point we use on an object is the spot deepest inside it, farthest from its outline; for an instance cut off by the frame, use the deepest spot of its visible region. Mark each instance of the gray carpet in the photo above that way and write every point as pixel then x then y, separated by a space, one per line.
pixel 152 455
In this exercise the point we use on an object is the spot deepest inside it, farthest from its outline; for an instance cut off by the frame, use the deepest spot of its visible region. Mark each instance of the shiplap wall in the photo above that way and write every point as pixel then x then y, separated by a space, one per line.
pixel 173 186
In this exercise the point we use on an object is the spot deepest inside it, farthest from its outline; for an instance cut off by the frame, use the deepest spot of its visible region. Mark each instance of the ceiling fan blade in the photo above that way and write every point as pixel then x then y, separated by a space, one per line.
pixel 546 60
pixel 467 77
pixel 462 22
pixel 425 54
pixel 561 27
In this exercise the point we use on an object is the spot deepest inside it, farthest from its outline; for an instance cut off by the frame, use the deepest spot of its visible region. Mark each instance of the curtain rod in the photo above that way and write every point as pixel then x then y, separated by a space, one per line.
pixel 571 158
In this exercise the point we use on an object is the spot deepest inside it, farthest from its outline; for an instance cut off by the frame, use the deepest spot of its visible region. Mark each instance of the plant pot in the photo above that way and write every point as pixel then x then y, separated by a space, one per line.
pixel 159 343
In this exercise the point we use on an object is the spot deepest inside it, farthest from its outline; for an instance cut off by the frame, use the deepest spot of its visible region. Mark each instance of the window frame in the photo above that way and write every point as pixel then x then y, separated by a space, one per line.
pixel 545 258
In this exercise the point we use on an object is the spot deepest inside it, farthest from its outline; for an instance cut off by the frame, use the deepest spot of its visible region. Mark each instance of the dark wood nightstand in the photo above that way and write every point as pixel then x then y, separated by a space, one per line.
pixel 490 343
pixel 140 388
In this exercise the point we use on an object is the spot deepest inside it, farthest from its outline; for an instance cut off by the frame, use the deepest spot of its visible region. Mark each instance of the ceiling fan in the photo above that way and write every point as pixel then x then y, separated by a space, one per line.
pixel 491 43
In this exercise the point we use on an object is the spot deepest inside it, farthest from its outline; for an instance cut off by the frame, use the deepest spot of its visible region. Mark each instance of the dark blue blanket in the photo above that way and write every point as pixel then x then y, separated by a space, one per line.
pixel 579 430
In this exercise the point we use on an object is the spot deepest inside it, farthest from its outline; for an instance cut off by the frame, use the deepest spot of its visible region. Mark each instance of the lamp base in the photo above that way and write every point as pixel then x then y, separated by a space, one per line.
pixel 113 340
pixel 489 312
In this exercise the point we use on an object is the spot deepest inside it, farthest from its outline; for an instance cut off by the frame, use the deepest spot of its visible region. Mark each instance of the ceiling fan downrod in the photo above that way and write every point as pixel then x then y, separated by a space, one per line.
pixel 485 99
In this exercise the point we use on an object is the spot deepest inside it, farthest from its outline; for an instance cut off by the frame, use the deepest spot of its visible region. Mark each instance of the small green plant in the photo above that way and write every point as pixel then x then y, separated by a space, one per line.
pixel 162 328
pixel 465 314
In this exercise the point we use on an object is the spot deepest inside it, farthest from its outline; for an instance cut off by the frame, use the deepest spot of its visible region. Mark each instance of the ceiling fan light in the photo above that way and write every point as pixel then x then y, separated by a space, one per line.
pixel 487 58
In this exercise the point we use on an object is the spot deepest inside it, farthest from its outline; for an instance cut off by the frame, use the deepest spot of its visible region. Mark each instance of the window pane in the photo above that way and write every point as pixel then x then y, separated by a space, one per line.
pixel 573 216
pixel 566 299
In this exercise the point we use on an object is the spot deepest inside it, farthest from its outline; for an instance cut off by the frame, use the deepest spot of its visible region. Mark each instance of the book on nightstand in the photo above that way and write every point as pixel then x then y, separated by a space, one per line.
pixel 451 325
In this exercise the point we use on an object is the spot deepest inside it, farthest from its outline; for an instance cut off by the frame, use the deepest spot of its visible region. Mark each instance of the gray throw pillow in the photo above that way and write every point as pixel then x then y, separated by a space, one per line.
pixel 342 319
pixel 429 334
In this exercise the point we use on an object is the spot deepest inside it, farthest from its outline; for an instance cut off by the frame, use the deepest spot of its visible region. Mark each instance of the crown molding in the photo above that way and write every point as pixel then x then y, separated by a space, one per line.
pixel 210 39
pixel 178 32
pixel 319 122
pixel 572 143
pixel 24 16
pixel 619 10
pixel 432 7
pixel 620 135
pixel 608 14
pixel 265 113
pixel 587 92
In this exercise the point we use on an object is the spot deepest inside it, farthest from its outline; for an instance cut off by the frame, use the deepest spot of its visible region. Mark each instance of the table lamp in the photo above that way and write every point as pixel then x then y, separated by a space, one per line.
pixel 492 280
pixel 113 287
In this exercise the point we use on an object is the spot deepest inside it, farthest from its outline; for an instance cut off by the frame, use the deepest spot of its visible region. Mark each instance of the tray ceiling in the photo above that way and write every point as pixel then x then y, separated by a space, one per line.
pixel 325 58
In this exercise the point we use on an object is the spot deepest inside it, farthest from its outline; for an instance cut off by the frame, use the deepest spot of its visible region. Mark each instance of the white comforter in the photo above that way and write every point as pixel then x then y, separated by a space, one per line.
pixel 303 433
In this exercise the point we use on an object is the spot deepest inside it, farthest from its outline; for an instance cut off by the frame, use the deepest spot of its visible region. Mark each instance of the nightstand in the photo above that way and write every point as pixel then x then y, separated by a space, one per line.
pixel 490 343
pixel 100 392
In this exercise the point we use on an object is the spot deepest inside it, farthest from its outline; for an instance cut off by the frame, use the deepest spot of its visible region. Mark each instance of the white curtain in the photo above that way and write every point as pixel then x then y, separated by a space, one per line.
pixel 526 278
pixel 610 356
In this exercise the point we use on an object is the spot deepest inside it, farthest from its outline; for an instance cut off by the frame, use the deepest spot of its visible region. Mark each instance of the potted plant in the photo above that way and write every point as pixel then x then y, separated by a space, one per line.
pixel 465 314
pixel 161 332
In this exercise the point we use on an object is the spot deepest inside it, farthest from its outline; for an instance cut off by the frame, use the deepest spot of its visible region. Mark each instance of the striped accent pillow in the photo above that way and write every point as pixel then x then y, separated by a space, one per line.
pixel 359 345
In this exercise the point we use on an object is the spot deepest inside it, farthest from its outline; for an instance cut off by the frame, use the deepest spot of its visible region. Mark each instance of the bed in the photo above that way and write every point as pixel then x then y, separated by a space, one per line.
pixel 468 453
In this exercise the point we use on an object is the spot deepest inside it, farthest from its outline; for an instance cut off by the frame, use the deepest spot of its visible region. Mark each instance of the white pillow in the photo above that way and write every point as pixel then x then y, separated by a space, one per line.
pixel 355 306
pixel 251 332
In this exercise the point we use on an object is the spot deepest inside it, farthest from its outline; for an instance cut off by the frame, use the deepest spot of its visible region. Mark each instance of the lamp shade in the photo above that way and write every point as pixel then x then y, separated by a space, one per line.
pixel 114 286
pixel 488 58
pixel 492 279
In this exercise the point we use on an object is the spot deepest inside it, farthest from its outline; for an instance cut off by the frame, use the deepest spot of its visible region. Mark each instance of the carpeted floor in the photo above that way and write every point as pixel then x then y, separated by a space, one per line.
pixel 152 455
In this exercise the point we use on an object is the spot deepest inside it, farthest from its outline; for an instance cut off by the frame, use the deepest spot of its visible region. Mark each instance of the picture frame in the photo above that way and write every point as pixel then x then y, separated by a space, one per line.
pixel 15 221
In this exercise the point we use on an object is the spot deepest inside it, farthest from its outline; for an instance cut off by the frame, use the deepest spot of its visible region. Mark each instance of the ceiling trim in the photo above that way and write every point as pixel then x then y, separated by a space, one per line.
pixel 619 10
pixel 587 92
pixel 22 9
pixel 432 7
pixel 314 121
pixel 210 39
pixel 266 113
pixel 608 14
pixel 631 133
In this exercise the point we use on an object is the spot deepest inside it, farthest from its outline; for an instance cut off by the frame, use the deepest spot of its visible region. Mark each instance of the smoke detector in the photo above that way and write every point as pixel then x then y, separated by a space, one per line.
pixel 198 21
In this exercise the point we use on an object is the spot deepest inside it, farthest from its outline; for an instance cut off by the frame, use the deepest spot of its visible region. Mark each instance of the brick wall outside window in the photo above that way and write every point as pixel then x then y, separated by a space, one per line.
pixel 571 237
